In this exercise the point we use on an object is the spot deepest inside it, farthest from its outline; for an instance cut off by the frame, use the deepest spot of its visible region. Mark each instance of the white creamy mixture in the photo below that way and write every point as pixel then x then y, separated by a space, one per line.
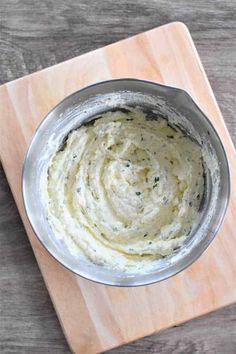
pixel 124 190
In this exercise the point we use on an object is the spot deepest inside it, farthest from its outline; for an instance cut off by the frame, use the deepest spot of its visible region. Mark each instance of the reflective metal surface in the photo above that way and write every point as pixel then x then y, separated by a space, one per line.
pixel 157 100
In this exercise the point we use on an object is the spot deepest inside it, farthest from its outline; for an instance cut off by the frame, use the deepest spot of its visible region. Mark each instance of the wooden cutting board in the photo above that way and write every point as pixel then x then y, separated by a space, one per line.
pixel 94 317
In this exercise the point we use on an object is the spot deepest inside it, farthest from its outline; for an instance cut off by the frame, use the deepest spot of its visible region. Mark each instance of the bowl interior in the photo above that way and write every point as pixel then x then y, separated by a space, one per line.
pixel 157 101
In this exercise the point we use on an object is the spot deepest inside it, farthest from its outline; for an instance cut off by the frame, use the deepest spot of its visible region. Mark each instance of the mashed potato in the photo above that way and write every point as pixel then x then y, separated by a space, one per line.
pixel 124 190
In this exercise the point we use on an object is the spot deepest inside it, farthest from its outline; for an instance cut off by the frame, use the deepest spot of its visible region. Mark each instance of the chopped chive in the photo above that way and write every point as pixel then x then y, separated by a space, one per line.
pixel 156 179
pixel 138 193
pixel 170 136
pixel 145 235
pixel 189 231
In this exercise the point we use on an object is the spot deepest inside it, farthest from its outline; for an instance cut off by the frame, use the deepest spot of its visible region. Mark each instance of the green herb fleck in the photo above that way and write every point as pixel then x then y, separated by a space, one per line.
pixel 145 235
pixel 102 234
pixel 74 156
pixel 170 136
pixel 127 165
pixel 171 162
pixel 198 196
pixel 138 193
pixel 78 189
pixel 150 242
pixel 156 179
pixel 154 186
pixel 189 231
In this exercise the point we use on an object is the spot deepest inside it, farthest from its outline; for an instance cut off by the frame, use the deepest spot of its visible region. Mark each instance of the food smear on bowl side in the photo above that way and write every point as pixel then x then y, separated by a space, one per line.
pixel 124 190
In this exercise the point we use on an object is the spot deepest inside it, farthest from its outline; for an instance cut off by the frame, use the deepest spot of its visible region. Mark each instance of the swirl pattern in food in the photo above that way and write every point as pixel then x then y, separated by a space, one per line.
pixel 125 190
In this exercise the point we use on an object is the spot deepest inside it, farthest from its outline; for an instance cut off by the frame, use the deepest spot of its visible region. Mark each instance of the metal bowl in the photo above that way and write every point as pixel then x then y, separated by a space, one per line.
pixel 169 103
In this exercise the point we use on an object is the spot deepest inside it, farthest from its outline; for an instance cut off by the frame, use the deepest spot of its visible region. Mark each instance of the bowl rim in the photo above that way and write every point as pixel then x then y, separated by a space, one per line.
pixel 131 283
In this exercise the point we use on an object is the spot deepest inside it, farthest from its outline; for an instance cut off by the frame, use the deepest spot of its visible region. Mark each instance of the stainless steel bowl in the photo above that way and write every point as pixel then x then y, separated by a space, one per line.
pixel 170 103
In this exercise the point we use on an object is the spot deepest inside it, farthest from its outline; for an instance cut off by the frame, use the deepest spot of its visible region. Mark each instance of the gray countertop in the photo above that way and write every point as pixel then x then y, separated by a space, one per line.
pixel 36 34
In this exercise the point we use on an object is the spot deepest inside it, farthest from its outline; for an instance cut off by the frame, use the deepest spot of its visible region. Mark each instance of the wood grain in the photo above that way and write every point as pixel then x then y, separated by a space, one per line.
pixel 163 348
